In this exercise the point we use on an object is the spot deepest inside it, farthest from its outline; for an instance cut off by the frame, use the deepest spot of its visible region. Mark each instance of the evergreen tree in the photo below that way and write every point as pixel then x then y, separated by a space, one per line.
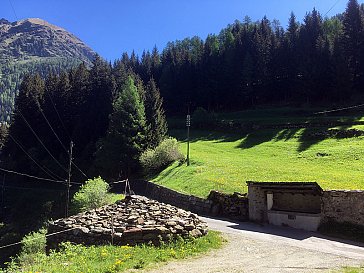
pixel 99 102
pixel 119 150
pixel 155 117
pixel 353 40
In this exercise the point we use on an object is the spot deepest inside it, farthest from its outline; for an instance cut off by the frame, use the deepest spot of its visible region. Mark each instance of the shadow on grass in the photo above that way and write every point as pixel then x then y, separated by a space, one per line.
pixel 308 131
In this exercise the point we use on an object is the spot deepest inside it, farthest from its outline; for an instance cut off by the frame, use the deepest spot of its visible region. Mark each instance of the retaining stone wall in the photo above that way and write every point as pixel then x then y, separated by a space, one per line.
pixel 343 207
pixel 233 206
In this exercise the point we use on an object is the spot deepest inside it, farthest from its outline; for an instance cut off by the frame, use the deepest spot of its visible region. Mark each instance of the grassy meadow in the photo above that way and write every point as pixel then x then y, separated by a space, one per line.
pixel 225 161
pixel 108 258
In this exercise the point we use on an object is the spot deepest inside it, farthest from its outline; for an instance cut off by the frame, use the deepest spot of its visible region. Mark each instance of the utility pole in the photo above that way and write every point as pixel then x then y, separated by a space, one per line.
pixel 68 185
pixel 188 124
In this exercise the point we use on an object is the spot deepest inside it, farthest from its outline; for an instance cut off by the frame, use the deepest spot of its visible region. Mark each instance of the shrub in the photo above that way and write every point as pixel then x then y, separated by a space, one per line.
pixel 33 245
pixel 91 195
pixel 154 160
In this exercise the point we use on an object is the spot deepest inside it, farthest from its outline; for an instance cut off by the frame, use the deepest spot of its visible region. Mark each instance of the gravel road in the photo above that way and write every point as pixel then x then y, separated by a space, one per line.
pixel 254 248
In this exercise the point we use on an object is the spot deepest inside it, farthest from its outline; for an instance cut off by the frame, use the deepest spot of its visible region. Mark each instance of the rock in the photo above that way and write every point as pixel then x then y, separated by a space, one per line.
pixel 195 233
pixel 171 223
pixel 190 227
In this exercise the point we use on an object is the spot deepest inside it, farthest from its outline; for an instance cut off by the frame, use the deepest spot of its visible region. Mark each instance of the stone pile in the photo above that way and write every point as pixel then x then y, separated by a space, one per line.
pixel 131 221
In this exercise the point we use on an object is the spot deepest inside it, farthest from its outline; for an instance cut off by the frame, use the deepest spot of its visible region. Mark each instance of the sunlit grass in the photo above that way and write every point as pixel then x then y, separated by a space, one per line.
pixel 98 259
pixel 226 161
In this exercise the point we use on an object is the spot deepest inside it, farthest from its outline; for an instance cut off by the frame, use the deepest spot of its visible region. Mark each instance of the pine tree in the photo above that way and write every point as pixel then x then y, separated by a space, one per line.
pixel 154 112
pixel 119 150
pixel 353 40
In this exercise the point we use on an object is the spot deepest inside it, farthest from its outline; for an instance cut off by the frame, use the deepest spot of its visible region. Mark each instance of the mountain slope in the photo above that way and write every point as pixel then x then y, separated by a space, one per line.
pixel 34 46
pixel 29 38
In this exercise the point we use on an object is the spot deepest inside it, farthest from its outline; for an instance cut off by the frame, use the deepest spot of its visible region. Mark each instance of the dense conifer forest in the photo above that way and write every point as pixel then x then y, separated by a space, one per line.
pixel 319 61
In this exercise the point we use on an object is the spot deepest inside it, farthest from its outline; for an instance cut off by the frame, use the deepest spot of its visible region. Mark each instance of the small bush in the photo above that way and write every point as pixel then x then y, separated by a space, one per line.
pixel 34 242
pixel 163 155
pixel 91 195
pixel 33 245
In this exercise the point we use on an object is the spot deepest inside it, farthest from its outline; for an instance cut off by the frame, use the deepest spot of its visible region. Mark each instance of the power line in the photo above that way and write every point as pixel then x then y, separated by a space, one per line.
pixel 12 7
pixel 33 239
pixel 47 171
pixel 27 188
pixel 36 177
pixel 59 117
pixel 50 126
pixel 74 165
pixel 30 127
pixel 338 110
pixel 334 5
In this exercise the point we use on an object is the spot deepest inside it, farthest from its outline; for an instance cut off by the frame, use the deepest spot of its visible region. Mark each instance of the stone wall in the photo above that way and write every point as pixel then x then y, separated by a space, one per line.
pixel 343 207
pixel 233 206
pixel 257 204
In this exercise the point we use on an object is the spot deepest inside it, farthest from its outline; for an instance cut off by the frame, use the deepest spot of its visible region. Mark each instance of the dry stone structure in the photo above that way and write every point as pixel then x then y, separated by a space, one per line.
pixel 343 207
pixel 131 221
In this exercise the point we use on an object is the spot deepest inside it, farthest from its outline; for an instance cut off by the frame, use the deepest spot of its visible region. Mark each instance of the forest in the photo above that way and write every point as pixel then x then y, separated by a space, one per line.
pixel 109 113
pixel 319 61
pixel 12 73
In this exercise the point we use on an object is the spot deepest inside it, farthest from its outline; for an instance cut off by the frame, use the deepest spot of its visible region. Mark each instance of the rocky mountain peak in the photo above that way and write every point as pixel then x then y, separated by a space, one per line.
pixel 36 38
pixel 3 21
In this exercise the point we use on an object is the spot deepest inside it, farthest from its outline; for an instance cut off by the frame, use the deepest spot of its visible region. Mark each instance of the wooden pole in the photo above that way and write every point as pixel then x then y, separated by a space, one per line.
pixel 68 185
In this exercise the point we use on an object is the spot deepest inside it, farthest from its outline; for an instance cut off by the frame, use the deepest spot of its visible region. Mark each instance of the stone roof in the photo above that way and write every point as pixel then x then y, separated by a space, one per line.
pixel 299 186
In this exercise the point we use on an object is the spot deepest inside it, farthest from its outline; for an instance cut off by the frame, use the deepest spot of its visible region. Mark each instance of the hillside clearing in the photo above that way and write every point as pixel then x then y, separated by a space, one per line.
pixel 226 161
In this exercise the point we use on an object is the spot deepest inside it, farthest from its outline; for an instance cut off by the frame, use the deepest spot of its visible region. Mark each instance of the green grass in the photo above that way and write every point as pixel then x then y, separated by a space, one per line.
pixel 98 259
pixel 352 270
pixel 114 197
pixel 226 161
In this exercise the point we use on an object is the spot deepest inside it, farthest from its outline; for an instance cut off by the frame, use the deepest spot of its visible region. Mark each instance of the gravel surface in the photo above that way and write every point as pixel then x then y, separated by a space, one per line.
pixel 254 248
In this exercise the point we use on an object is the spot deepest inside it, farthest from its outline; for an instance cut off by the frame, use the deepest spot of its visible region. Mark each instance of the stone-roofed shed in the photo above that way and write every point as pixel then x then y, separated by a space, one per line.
pixel 294 204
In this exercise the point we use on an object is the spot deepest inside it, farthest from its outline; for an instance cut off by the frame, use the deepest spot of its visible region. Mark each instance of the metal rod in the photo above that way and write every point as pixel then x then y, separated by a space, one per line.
pixel 188 145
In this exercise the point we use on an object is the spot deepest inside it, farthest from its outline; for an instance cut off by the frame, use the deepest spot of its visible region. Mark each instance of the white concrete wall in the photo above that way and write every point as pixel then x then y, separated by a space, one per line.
pixel 305 221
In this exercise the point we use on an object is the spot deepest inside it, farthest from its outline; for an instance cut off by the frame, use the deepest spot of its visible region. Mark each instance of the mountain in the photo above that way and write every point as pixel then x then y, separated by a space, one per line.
pixel 34 46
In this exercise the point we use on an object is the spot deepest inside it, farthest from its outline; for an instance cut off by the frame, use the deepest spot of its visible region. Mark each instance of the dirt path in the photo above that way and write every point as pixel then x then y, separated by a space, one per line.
pixel 254 248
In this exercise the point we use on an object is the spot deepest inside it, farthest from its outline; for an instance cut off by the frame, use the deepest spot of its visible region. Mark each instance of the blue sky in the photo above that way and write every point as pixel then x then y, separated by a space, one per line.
pixel 111 27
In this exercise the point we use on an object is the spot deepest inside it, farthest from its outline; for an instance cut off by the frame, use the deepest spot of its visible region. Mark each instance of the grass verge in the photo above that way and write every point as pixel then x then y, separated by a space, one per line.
pixel 352 270
pixel 97 259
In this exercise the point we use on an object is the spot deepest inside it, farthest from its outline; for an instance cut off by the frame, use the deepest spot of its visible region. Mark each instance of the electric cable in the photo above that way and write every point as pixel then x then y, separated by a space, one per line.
pixel 332 7
pixel 33 239
pixel 338 110
pixel 47 171
pixel 36 177
pixel 12 7
pixel 30 127
pixel 59 117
